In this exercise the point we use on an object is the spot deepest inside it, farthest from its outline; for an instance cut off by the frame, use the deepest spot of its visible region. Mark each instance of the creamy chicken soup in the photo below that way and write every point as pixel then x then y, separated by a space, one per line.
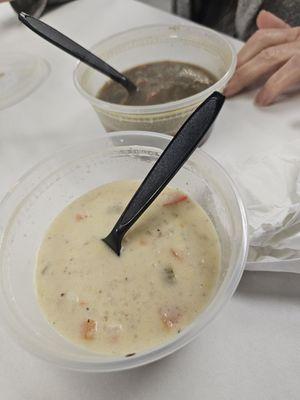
pixel 165 276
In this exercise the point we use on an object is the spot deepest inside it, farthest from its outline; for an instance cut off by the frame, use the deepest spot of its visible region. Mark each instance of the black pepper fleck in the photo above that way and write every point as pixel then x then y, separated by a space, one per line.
pixel 130 354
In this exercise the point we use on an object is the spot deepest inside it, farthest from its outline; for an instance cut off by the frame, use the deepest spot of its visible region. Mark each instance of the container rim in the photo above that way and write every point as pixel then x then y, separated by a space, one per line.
pixel 164 107
pixel 92 363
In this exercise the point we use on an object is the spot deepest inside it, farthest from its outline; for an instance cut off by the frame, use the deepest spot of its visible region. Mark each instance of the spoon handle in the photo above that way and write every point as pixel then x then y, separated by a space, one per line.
pixel 74 49
pixel 173 157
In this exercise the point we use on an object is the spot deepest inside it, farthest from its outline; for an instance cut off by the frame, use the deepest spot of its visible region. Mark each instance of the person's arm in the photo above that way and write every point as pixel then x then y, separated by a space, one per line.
pixel 273 52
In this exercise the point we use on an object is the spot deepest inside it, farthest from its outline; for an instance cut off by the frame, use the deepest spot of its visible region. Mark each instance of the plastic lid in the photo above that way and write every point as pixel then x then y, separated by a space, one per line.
pixel 20 75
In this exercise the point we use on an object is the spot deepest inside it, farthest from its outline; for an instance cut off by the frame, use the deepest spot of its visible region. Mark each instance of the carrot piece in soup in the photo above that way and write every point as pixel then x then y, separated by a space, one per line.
pixel 176 200
pixel 176 254
pixel 88 329
pixel 80 217
pixel 170 316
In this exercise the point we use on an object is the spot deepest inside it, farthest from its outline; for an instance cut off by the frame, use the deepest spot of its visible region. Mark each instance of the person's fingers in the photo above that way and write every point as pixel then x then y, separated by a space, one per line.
pixel 264 38
pixel 285 78
pixel 267 20
pixel 265 62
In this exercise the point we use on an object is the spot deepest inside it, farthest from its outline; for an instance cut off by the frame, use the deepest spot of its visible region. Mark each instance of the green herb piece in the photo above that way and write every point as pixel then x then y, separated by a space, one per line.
pixel 170 274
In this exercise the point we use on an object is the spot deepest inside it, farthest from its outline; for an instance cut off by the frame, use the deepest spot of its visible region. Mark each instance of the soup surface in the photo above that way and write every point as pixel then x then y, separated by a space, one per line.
pixel 158 83
pixel 165 276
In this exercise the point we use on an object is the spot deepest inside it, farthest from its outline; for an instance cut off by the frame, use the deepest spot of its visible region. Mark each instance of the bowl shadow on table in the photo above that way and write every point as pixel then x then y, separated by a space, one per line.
pixel 270 286
pixel 137 381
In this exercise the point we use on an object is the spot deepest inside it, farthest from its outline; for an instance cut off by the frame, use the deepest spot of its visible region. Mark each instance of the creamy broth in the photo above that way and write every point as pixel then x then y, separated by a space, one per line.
pixel 164 278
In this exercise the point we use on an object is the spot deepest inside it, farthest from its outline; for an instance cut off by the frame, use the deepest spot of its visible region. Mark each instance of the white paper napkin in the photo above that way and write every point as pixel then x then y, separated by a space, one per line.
pixel 270 186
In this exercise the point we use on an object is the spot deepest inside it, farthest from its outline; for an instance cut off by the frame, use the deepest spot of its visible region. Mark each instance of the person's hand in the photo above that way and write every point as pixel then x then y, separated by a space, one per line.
pixel 273 52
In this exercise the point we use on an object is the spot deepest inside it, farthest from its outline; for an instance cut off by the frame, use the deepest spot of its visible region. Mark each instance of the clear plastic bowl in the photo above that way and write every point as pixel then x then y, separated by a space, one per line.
pixel 185 43
pixel 43 192
pixel 20 75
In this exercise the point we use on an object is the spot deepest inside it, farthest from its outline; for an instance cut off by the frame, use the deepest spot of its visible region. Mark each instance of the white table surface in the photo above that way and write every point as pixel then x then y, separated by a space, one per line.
pixel 252 349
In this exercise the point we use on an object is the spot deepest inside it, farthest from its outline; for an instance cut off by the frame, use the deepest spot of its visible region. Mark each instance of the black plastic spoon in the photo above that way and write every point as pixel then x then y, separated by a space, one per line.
pixel 74 49
pixel 171 160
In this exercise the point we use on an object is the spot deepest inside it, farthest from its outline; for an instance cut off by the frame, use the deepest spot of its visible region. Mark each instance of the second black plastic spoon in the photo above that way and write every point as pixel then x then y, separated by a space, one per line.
pixel 171 160
pixel 74 49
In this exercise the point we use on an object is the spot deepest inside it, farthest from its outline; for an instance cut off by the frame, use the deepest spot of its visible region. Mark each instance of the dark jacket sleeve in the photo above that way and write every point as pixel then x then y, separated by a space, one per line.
pixel 34 7
pixel 236 17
